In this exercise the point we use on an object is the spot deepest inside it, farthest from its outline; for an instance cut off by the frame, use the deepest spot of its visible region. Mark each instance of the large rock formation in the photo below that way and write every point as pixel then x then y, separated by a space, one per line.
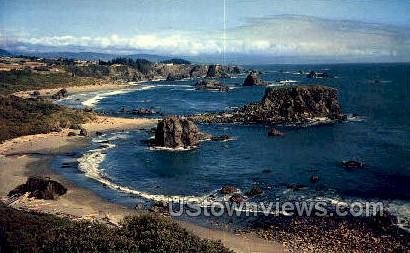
pixel 253 79
pixel 211 85
pixel 39 188
pixel 222 71
pixel 284 104
pixel 174 132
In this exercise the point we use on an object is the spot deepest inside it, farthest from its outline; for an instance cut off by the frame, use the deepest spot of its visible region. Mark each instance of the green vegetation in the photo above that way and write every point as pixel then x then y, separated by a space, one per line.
pixel 176 61
pixel 20 117
pixel 20 80
pixel 22 231
pixel 142 65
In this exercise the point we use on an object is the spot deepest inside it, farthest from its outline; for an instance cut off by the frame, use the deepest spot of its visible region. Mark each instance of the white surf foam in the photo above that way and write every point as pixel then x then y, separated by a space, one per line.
pixel 91 102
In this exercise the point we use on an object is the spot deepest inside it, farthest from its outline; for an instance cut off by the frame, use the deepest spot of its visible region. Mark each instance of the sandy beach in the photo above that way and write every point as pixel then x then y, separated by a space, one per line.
pixel 31 156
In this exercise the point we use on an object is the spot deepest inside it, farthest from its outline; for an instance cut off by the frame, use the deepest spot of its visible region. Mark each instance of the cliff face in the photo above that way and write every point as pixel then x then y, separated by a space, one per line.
pixel 124 72
pixel 286 104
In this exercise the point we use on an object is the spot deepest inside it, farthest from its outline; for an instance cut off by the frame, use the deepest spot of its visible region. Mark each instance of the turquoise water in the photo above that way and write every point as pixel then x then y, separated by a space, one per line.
pixel 379 136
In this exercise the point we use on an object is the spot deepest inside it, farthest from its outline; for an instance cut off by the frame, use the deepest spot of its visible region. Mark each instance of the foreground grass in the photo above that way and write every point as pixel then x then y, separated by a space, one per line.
pixel 22 231
pixel 19 117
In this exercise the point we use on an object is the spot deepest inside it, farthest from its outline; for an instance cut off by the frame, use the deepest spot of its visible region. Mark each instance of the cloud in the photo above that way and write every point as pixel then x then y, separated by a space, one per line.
pixel 285 35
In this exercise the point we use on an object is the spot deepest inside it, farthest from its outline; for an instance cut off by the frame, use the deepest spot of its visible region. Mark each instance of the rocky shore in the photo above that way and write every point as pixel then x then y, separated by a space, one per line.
pixel 283 105
pixel 332 234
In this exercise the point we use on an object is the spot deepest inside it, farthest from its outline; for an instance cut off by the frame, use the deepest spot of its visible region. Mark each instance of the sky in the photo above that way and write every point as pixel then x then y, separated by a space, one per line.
pixel 366 30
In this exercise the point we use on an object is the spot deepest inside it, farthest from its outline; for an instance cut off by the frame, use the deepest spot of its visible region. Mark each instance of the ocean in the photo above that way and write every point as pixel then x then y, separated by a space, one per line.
pixel 374 96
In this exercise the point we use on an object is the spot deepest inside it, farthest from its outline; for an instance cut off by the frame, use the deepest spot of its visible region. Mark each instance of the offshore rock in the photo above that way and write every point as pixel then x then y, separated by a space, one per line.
pixel 283 105
pixel 211 85
pixel 174 132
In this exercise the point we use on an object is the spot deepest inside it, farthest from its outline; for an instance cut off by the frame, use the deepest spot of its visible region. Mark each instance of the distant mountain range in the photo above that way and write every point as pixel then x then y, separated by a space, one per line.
pixel 230 59
pixel 88 56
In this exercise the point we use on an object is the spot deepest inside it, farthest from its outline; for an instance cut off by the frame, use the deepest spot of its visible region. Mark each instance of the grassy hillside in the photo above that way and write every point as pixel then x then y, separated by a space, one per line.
pixel 22 231
pixel 20 117
pixel 20 80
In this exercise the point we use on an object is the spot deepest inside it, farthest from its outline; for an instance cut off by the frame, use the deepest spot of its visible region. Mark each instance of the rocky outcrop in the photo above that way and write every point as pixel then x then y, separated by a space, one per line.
pixel 313 74
pixel 174 132
pixel 284 104
pixel 222 71
pixel 228 189
pixel 198 71
pixel 211 85
pixel 83 132
pixel 352 164
pixel 253 79
pixel 39 188
pixel 60 94
pixel 275 133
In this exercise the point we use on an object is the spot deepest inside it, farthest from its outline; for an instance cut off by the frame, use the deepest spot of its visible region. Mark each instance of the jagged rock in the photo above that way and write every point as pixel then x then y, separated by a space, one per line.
pixel 39 188
pixel 83 132
pixel 284 104
pixel 253 79
pixel 274 132
pixel 60 94
pixel 198 71
pixel 215 71
pixel 313 74
pixel 211 85
pixel 237 198
pixel 254 191
pixel 174 132
pixel 314 179
pixel 228 189
pixel 143 111
pixel 352 165
pixel 220 138
pixel 296 187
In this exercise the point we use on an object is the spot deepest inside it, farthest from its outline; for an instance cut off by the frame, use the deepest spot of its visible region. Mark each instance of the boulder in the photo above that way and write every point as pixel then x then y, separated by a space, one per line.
pixel 274 132
pixel 60 94
pixel 211 85
pixel 39 188
pixel 228 189
pixel 296 186
pixel 174 132
pixel 83 132
pixel 253 79
pixel 254 191
pixel 236 198
pixel 70 134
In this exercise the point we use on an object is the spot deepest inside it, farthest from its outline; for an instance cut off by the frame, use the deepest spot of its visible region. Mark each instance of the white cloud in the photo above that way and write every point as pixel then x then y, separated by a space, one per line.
pixel 276 36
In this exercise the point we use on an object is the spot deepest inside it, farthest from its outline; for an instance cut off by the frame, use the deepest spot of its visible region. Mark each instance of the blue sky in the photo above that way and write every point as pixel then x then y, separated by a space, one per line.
pixel 376 29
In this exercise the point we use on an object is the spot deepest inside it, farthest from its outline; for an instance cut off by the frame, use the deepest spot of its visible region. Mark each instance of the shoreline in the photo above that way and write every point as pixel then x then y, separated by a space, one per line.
pixel 32 156
pixel 76 89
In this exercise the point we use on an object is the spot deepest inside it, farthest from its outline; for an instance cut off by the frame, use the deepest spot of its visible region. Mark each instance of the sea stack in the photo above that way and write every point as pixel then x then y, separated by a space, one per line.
pixel 253 79
pixel 174 132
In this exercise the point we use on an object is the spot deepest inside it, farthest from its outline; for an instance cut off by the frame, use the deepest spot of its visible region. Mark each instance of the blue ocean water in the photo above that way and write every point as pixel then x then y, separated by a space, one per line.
pixel 379 136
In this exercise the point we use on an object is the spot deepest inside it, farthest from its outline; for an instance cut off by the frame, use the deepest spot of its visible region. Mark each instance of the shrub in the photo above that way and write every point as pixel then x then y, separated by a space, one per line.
pixel 22 231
